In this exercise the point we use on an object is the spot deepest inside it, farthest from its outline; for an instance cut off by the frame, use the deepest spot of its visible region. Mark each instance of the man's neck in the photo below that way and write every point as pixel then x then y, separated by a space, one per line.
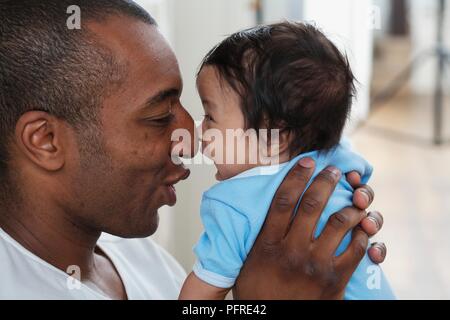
pixel 51 234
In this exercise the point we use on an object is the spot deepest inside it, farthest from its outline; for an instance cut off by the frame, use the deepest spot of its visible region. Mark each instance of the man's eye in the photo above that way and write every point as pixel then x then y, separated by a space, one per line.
pixel 162 121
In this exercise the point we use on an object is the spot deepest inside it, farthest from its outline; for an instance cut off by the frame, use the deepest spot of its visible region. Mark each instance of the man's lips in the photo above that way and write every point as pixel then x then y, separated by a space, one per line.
pixel 183 175
pixel 170 186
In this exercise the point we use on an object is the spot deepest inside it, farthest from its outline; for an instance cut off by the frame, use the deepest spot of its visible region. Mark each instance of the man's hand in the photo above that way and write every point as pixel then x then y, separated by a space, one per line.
pixel 362 198
pixel 286 262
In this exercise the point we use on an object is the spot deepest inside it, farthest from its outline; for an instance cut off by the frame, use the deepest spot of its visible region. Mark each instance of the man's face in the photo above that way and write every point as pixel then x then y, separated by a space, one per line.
pixel 121 191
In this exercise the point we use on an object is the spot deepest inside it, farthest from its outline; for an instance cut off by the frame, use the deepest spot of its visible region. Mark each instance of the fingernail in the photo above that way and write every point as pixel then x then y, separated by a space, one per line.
pixel 379 251
pixel 375 221
pixel 306 163
pixel 334 171
pixel 377 214
pixel 381 248
pixel 365 194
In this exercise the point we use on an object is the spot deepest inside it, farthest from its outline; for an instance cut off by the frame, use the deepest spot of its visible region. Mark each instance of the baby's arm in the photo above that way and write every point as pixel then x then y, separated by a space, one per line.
pixel 220 251
pixel 196 289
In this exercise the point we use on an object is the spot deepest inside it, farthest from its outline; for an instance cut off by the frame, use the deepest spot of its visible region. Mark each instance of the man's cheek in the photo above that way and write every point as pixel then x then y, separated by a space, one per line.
pixel 154 159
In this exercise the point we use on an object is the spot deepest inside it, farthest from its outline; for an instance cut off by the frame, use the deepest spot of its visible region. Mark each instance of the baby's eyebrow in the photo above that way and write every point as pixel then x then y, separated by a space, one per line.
pixel 208 103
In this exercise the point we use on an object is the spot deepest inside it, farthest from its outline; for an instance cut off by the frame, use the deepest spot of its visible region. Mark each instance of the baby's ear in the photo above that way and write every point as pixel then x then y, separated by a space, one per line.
pixel 285 139
pixel 278 142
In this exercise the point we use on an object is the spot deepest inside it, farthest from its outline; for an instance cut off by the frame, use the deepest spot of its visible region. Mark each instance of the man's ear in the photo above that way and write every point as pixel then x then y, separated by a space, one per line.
pixel 39 136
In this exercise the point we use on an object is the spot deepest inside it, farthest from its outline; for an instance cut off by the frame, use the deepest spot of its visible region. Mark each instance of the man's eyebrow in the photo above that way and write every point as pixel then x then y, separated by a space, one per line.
pixel 162 96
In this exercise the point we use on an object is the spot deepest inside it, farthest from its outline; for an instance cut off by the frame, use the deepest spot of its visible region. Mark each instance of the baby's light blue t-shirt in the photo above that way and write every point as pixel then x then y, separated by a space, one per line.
pixel 233 212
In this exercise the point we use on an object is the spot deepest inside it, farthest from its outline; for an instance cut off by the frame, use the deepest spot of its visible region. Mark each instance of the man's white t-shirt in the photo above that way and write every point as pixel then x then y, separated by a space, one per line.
pixel 146 269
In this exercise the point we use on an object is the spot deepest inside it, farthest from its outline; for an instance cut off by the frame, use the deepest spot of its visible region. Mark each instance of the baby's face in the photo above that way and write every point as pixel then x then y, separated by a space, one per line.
pixel 223 138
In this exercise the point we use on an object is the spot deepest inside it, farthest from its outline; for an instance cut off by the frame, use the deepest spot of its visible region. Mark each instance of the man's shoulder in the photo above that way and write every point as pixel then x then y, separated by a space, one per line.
pixel 23 275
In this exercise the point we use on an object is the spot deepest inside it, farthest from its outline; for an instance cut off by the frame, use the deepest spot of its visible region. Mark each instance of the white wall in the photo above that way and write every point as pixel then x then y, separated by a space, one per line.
pixel 274 11
pixel 385 11
pixel 348 24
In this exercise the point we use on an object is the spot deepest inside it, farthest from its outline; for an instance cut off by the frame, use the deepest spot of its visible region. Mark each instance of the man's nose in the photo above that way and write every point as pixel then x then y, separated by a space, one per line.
pixel 184 137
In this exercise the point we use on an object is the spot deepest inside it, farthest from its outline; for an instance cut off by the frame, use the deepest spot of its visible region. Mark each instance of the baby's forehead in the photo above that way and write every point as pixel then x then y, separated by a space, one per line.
pixel 211 81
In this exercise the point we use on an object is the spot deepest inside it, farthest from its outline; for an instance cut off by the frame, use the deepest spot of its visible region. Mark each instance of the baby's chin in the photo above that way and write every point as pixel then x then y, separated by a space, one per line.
pixel 221 175
pixel 225 172
pixel 218 176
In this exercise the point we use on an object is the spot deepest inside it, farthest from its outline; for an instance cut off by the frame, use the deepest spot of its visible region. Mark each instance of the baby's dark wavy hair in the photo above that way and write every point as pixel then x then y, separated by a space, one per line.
pixel 289 76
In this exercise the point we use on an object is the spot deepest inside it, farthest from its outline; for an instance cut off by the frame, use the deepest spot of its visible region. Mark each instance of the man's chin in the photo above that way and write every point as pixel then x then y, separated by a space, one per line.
pixel 149 229
pixel 139 229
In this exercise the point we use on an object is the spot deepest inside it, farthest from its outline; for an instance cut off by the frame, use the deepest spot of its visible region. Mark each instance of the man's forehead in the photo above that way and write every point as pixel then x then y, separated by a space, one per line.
pixel 150 63
pixel 136 44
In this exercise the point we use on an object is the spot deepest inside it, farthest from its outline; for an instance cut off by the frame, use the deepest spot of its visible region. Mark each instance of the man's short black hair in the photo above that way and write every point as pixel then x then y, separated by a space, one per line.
pixel 48 67
pixel 290 77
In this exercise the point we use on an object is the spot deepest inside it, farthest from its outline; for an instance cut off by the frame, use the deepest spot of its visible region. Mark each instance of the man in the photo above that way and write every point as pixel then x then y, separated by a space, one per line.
pixel 86 120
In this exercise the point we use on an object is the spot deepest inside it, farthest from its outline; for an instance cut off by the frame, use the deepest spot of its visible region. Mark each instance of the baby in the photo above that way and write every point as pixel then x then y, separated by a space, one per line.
pixel 291 78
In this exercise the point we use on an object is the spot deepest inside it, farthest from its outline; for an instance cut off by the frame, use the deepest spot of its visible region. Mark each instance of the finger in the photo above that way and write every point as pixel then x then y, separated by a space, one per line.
pixel 349 260
pixel 285 200
pixel 354 178
pixel 338 225
pixel 312 204
pixel 363 197
pixel 377 252
pixel 372 223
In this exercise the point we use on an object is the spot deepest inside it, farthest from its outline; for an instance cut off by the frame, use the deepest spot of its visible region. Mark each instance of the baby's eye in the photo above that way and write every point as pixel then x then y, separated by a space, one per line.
pixel 208 117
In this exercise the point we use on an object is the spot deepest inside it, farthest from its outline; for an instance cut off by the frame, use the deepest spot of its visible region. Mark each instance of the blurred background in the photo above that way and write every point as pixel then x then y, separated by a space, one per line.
pixel 400 122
